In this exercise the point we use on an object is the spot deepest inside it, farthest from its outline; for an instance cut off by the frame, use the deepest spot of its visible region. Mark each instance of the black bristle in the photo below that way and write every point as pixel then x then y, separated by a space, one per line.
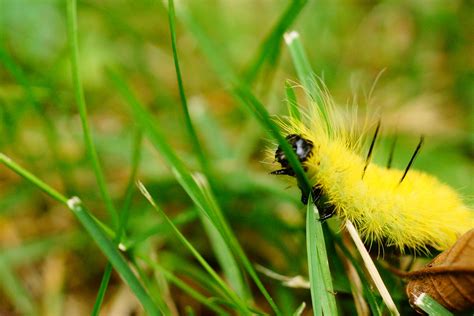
pixel 372 144
pixel 392 151
pixel 412 159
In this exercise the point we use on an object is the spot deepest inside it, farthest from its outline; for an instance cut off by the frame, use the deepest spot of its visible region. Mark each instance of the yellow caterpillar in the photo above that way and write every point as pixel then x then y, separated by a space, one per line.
pixel 407 210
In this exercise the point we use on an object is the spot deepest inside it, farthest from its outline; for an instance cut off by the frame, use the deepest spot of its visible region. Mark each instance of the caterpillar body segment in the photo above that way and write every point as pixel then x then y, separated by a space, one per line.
pixel 410 210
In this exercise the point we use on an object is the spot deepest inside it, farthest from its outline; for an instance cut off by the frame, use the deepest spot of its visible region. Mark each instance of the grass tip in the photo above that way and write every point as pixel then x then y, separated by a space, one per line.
pixel 122 247
pixel 291 282
pixel 74 203
pixel 300 309
pixel 200 179
pixel 419 299
pixel 145 193
pixel 4 157
pixel 290 37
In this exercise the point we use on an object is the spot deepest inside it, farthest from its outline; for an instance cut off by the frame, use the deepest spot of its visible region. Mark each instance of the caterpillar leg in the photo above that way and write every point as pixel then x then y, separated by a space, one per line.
pixel 315 194
pixel 328 212
pixel 284 172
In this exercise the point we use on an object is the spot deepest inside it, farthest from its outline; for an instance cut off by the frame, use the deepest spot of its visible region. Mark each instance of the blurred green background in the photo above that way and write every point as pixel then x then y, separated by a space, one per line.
pixel 422 50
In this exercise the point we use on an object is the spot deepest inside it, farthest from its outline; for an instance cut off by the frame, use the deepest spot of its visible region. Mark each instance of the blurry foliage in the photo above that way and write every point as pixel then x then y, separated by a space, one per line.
pixel 425 48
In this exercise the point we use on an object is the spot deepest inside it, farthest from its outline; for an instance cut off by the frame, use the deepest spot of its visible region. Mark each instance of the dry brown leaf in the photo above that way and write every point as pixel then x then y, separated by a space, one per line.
pixel 449 278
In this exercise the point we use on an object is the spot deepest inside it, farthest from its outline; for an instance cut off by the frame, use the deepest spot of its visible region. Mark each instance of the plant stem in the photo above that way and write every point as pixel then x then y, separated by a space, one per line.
pixel 374 273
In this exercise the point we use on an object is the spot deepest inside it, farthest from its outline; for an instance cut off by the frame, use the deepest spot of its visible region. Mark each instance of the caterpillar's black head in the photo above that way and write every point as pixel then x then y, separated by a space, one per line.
pixel 302 148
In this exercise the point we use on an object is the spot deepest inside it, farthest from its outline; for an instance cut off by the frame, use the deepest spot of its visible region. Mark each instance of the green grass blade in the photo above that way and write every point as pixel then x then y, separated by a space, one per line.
pixel 229 293
pixel 81 104
pixel 300 60
pixel 305 72
pixel 30 251
pixel 218 62
pixel 261 114
pixel 95 231
pixel 220 246
pixel 211 131
pixel 431 306
pixel 130 189
pixel 366 286
pixel 185 178
pixel 322 293
pixel 14 289
pixel 233 243
pixel 240 90
pixel 180 219
pixel 270 48
pixel 292 102
pixel 187 118
pixel 223 253
pixel 320 275
pixel 154 288
pixel 249 101
pixel 182 266
pixel 158 140
pixel 102 289
pixel 31 101
pixel 318 293
pixel 111 252
pixel 299 311
pixel 185 287
pixel 91 151
pixel 33 179
pixel 137 141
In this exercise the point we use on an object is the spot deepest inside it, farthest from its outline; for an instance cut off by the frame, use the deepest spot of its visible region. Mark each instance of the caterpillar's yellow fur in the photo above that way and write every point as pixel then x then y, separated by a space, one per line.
pixel 417 213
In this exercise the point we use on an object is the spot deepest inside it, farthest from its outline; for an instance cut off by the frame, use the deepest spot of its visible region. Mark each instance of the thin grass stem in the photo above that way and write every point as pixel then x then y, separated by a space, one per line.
pixel 369 264
pixel 184 287
pixel 137 141
pixel 184 103
pixel 229 293
pixel 95 231
pixel 224 254
pixel 81 104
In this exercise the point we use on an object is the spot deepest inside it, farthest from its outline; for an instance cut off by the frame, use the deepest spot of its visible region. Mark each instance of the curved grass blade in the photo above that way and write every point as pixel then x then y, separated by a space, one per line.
pixel 270 48
pixel 242 93
pixel 89 144
pixel 33 250
pixel 184 103
pixel 122 220
pixel 229 293
pixel 299 311
pixel 188 182
pixel 50 132
pixel 223 253
pixel 15 290
pixel 179 220
pixel 185 287
pixel 95 231
pixel 81 104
